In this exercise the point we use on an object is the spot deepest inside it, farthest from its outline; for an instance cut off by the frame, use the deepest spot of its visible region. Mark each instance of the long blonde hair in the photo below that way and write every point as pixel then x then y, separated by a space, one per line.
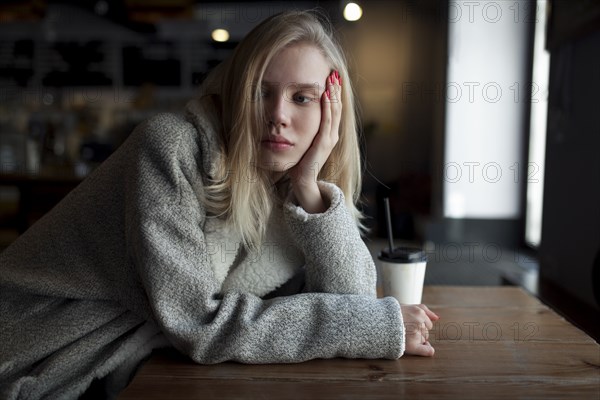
pixel 241 191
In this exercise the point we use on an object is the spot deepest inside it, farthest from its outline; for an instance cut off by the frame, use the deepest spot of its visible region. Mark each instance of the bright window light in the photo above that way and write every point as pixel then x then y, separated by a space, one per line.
pixel 537 131
pixel 484 94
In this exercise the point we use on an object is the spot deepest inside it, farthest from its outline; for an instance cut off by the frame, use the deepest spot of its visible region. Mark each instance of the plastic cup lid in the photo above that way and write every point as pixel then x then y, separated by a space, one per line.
pixel 403 254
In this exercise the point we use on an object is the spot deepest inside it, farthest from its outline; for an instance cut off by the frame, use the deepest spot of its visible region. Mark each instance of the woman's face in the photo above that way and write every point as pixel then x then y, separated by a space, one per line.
pixel 291 89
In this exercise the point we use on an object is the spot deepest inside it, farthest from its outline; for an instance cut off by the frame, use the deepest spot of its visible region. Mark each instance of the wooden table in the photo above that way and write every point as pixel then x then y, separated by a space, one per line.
pixel 491 342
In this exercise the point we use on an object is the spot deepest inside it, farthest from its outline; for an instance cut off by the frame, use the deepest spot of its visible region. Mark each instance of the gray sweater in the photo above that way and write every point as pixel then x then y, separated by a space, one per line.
pixel 129 261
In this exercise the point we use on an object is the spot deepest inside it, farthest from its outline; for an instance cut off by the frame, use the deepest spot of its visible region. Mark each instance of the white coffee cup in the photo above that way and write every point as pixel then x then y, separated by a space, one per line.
pixel 403 273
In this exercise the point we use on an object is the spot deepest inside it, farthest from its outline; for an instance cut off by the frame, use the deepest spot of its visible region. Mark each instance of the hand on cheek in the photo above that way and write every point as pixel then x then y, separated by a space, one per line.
pixel 304 174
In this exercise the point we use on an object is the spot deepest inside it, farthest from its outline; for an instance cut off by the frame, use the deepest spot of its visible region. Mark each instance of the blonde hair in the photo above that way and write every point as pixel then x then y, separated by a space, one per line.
pixel 241 191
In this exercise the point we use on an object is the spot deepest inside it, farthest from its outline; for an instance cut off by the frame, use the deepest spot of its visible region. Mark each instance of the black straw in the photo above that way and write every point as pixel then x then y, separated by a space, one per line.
pixel 389 224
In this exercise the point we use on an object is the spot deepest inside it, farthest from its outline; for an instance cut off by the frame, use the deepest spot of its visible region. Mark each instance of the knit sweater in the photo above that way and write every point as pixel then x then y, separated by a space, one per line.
pixel 129 261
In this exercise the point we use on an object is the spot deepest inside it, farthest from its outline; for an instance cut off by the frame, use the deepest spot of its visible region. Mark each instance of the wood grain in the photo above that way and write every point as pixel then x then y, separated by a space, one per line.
pixel 512 324
pixel 506 344
pixel 458 362
pixel 226 390
pixel 479 296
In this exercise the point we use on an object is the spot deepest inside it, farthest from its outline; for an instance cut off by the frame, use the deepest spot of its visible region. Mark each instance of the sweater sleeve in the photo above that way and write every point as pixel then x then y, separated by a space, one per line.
pixel 167 247
pixel 337 259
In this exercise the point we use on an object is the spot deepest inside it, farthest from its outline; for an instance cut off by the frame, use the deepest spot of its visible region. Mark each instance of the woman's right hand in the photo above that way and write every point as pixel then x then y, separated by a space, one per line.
pixel 417 323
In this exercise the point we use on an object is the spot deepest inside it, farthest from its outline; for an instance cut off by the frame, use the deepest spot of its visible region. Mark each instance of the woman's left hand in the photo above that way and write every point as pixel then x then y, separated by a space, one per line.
pixel 304 174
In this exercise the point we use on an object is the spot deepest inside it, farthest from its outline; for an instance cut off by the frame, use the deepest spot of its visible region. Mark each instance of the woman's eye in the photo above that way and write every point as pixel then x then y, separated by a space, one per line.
pixel 302 99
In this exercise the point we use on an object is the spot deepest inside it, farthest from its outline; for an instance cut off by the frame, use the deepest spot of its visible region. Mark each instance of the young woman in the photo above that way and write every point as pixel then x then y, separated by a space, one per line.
pixel 229 232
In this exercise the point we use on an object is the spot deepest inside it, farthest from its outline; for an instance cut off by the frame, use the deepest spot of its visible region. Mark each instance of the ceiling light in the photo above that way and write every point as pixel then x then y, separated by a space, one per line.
pixel 352 12
pixel 220 35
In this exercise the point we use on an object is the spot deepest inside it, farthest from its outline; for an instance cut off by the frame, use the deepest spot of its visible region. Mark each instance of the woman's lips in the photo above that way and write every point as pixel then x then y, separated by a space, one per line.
pixel 277 143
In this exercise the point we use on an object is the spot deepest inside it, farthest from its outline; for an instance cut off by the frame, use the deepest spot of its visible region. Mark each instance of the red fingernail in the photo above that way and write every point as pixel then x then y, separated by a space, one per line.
pixel 327 93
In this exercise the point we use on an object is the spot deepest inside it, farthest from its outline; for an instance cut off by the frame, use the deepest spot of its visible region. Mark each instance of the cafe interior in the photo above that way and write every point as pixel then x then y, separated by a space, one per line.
pixel 479 121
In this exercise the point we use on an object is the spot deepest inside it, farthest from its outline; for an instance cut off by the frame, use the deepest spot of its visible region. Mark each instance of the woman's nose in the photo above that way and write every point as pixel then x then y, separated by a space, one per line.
pixel 279 110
